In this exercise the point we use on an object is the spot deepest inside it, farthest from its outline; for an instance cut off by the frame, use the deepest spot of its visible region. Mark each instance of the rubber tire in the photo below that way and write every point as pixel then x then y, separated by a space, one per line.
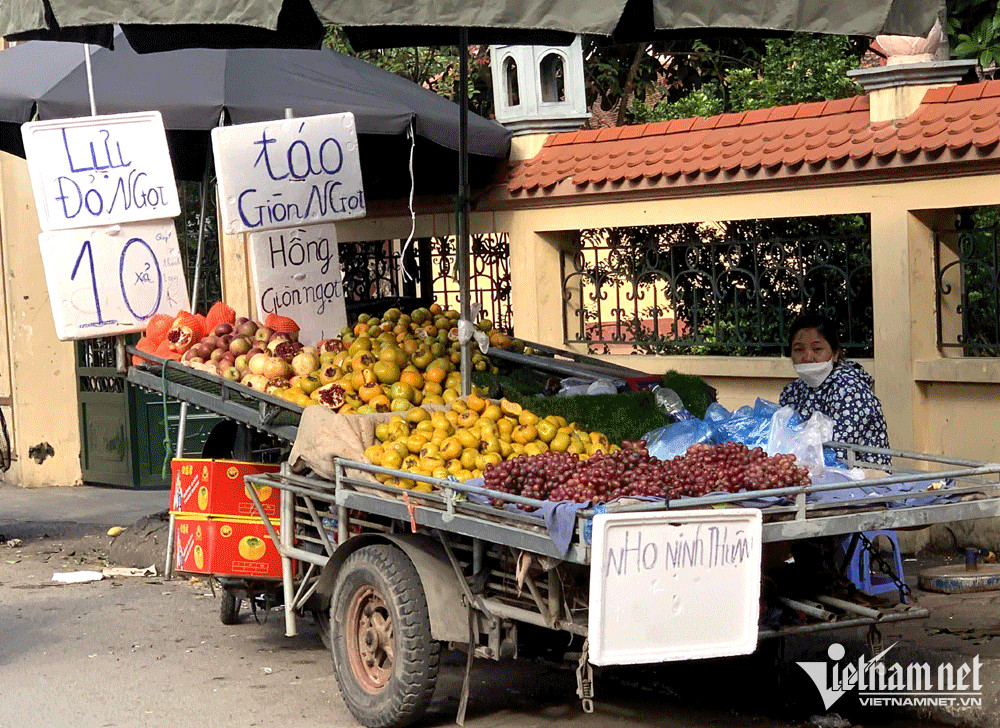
pixel 322 617
pixel 229 610
pixel 416 656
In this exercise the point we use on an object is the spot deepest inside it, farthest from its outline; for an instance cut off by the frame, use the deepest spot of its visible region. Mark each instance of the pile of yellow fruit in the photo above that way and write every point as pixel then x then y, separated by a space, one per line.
pixel 471 434
pixel 391 363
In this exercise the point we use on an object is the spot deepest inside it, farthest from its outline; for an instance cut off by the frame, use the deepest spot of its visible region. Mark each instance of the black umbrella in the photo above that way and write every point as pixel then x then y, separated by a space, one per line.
pixel 193 89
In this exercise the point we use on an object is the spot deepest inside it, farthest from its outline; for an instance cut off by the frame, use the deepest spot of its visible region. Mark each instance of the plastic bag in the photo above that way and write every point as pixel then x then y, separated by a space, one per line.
pixel 571 386
pixel 671 440
pixel 789 434
pixel 716 413
pixel 748 425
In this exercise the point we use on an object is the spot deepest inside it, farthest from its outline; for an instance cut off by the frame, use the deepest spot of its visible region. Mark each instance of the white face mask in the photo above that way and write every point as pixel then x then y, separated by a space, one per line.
pixel 814 374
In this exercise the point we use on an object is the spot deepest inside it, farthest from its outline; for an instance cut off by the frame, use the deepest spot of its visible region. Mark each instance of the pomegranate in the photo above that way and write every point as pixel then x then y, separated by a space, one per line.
pixel 331 396
pixel 275 367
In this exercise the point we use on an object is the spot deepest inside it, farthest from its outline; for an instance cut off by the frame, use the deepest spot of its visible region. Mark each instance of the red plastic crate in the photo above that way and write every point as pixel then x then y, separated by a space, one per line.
pixel 216 488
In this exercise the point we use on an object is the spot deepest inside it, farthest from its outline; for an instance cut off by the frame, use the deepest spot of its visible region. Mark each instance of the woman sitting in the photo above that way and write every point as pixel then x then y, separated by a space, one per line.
pixel 829 383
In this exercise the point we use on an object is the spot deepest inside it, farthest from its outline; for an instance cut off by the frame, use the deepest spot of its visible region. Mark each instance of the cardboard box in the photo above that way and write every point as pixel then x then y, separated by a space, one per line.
pixel 225 547
pixel 216 488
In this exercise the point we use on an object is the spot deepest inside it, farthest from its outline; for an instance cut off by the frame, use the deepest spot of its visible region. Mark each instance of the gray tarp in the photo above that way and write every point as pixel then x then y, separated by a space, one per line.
pixel 415 21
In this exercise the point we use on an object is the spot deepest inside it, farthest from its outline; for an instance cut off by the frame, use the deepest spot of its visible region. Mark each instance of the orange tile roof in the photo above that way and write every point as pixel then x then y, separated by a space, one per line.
pixel 952 124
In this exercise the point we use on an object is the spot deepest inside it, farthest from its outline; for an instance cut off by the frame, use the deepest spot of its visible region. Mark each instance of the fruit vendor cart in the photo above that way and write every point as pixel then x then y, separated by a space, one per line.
pixel 394 575
pixel 400 574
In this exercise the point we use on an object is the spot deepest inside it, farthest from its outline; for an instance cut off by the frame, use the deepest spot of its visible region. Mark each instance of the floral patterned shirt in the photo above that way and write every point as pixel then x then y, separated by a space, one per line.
pixel 846 397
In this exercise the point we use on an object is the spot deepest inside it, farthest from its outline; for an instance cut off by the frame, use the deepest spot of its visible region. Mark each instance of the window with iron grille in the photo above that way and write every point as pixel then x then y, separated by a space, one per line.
pixel 718 287
pixel 427 269
pixel 489 276
pixel 967 283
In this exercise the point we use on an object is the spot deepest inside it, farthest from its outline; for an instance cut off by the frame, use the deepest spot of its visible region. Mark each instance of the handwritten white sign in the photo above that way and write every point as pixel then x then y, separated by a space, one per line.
pixel 296 273
pixel 100 170
pixel 279 174
pixel 111 280
pixel 674 585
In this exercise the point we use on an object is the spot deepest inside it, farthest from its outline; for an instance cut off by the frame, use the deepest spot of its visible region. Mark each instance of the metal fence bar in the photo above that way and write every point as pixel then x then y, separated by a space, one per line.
pixel 716 288
pixel 974 268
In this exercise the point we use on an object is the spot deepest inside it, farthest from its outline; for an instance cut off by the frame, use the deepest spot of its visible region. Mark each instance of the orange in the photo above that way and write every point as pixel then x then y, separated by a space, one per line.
pixel 435 373
pixel 476 403
pixel 415 379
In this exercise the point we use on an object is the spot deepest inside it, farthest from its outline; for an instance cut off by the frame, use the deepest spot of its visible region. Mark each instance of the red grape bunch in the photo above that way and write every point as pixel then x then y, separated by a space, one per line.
pixel 631 471
pixel 531 476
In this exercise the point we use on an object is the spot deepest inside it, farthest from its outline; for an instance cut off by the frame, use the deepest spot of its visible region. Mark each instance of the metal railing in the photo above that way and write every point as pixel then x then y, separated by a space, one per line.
pixel 426 270
pixel 489 279
pixel 713 289
pixel 967 290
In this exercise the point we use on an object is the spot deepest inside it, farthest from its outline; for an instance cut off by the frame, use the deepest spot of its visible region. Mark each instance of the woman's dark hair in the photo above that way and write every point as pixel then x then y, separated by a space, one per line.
pixel 826 328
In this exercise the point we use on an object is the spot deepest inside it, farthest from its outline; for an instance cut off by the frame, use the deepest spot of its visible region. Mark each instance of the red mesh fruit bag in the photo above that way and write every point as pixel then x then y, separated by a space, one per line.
pixel 220 313
pixel 281 323
pixel 143 344
pixel 157 328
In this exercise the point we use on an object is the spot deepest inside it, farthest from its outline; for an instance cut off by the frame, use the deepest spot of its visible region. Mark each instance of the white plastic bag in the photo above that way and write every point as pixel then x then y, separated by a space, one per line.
pixel 804 440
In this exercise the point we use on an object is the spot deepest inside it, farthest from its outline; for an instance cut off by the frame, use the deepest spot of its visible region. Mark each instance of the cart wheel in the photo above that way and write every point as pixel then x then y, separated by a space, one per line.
pixel 322 617
pixel 229 612
pixel 383 655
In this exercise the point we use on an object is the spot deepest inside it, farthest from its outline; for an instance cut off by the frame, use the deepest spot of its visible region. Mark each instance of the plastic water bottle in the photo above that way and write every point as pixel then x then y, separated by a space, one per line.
pixel 670 402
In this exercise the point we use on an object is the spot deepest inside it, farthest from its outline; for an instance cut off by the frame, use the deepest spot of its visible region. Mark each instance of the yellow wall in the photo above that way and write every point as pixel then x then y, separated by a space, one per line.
pixel 36 369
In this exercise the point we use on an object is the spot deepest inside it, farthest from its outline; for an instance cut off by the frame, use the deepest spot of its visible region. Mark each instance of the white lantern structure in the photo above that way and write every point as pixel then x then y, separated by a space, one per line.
pixel 539 89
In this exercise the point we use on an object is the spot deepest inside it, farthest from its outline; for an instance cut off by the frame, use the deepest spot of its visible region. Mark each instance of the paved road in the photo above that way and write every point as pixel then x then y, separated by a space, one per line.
pixel 142 651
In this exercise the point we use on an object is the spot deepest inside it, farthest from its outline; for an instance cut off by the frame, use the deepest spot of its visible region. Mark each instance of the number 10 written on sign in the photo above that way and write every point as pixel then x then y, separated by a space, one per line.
pixel 111 281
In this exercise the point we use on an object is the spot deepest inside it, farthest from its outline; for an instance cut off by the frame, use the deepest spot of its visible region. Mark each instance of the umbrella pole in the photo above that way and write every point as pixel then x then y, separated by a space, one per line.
pixel 464 276
pixel 182 418
pixel 90 78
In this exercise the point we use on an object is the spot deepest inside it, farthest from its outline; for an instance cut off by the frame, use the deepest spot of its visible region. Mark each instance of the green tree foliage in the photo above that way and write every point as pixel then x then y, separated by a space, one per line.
pixel 974 31
pixel 210 276
pixel 734 286
pixel 793 70
pixel 434 68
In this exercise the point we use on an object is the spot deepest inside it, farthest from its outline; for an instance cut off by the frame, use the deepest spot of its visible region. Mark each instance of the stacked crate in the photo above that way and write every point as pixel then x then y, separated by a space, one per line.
pixel 217 529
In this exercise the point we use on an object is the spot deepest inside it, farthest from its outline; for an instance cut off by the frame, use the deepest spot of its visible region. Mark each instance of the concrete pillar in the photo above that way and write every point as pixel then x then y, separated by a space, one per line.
pixel 536 288
pixel 904 314
pixel 893 318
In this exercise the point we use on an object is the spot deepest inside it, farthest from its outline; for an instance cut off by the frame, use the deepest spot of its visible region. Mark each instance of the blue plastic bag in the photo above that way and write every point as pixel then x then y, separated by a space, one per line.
pixel 748 425
pixel 671 440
